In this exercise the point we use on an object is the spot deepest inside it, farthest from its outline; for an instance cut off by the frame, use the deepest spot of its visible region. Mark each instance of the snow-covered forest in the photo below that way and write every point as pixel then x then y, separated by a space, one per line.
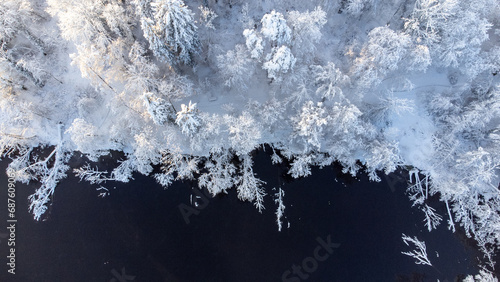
pixel 189 89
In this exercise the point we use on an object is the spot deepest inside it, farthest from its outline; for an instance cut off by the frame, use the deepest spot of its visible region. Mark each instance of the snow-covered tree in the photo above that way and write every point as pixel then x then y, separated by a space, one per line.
pixel 382 156
pixel 301 166
pixel 175 87
pixel 235 67
pixel 382 54
pixel 306 30
pixel 17 17
pixel 143 8
pixel 82 21
pixel 48 170
pixel 20 47
pixel 160 110
pixel 146 152
pixel 176 166
pixel 347 133
pixel 220 175
pixel 208 16
pixel 432 219
pixel 254 43
pixel 117 19
pixel 244 133
pixel 27 68
pixel 123 172
pixel 10 20
pixel 452 30
pixel 16 124
pixel 420 58
pixel 271 114
pixel 188 119
pixel 141 72
pixel 356 7
pixel 483 276
pixel 90 174
pixel 49 176
pixel 87 139
pixel 389 106
pixel 275 28
pixel 279 62
pixel 172 32
pixel 330 80
pixel 427 18
pixel 310 123
pixel 461 41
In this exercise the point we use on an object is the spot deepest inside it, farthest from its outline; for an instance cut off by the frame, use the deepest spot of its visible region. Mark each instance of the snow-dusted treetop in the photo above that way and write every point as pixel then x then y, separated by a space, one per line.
pixel 275 28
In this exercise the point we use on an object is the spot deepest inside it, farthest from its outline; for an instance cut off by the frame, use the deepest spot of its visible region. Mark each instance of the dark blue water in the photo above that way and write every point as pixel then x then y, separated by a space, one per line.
pixel 341 229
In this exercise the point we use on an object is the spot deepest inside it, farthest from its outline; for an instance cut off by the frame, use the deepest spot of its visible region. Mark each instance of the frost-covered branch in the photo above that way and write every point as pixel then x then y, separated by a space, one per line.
pixel 250 187
pixel 483 276
pixel 220 175
pixel 420 251
pixel 49 177
pixel 280 211
pixel 90 174
pixel 432 219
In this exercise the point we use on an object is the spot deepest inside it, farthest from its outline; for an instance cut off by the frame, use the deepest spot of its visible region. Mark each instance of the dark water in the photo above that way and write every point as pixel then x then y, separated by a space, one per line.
pixel 137 233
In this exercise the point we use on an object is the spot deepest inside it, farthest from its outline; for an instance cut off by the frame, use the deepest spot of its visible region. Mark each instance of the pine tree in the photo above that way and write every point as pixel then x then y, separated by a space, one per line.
pixel 160 110
pixel 172 32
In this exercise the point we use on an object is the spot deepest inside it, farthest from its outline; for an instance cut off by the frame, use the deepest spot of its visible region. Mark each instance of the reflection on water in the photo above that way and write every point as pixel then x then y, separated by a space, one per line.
pixel 341 229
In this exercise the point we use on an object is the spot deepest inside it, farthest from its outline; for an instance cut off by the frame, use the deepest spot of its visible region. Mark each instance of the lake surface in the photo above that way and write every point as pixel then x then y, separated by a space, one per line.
pixel 137 233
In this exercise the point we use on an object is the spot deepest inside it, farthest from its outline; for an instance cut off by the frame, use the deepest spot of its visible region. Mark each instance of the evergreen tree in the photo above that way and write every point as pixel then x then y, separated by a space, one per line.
pixel 171 33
